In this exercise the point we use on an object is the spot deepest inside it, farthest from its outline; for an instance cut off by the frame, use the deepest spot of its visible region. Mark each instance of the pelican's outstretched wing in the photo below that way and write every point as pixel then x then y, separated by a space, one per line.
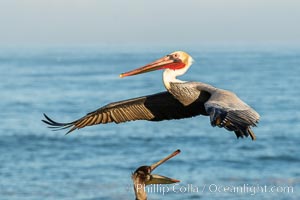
pixel 156 107
pixel 228 111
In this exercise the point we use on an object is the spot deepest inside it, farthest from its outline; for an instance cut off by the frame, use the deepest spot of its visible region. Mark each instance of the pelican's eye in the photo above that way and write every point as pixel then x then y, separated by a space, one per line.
pixel 176 58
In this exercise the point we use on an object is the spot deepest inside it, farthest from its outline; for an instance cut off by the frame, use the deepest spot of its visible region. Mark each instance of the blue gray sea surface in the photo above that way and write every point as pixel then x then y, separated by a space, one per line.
pixel 97 162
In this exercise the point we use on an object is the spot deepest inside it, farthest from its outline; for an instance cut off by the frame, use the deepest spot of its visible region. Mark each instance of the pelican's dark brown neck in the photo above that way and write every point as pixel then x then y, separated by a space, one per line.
pixel 139 189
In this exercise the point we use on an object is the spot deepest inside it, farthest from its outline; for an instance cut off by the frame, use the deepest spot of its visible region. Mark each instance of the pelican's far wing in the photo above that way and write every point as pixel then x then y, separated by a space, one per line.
pixel 156 107
pixel 228 111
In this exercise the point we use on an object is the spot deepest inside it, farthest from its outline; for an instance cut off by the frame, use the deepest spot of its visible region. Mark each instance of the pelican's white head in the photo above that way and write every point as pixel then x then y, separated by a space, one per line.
pixel 183 58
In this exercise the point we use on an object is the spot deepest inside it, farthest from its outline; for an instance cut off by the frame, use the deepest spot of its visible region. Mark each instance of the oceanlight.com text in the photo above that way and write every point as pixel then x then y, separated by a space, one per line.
pixel 246 189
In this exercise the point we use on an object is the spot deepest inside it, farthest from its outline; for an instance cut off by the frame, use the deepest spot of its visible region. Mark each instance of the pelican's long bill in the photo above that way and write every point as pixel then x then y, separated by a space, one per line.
pixel 158 179
pixel 155 165
pixel 169 61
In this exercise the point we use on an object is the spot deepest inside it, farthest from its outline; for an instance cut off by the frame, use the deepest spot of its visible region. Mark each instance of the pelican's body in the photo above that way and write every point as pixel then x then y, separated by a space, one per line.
pixel 182 100
pixel 143 177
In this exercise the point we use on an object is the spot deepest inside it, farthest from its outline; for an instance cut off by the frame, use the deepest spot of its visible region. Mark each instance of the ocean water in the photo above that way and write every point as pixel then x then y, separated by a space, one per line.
pixel 97 162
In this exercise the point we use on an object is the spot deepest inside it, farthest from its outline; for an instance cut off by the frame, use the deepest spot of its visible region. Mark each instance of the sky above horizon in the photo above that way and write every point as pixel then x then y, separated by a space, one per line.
pixel 148 22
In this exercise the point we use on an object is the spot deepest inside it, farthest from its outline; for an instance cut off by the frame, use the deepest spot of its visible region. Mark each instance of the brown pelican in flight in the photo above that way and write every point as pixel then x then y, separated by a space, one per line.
pixel 182 99
pixel 143 177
